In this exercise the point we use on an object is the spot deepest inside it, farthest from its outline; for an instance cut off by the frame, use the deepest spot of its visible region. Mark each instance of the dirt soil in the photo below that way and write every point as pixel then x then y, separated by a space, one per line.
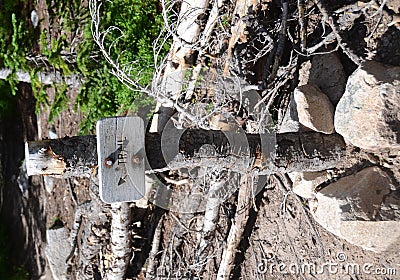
pixel 279 232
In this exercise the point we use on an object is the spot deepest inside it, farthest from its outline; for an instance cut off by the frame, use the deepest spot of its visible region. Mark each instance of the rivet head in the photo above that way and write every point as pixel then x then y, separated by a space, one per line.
pixel 136 159
pixel 108 162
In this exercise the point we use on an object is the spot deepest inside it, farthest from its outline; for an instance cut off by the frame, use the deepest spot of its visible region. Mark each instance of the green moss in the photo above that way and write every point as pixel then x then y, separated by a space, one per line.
pixel 138 24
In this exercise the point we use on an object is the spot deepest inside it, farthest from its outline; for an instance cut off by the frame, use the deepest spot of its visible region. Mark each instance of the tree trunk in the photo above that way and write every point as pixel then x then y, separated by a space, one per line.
pixel 237 152
pixel 120 241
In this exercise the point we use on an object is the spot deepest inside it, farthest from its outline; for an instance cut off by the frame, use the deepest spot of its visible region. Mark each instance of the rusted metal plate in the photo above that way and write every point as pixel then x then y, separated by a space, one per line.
pixel 120 149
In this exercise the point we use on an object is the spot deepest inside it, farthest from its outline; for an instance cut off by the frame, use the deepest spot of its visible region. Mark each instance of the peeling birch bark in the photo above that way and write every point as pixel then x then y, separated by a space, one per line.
pixel 188 28
pixel 45 77
pixel 179 57
pixel 120 241
pixel 236 231
pixel 241 9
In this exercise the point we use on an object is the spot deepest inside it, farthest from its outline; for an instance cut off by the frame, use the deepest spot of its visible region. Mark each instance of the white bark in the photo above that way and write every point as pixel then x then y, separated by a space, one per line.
pixel 236 232
pixel 210 221
pixel 155 248
pixel 45 77
pixel 187 32
pixel 188 28
pixel 212 21
pixel 241 9
pixel 120 241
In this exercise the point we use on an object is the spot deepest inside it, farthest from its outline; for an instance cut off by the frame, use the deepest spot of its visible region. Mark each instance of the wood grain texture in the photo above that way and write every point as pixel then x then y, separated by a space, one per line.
pixel 309 151
pixel 70 156
pixel 239 152
pixel 120 146
pixel 124 153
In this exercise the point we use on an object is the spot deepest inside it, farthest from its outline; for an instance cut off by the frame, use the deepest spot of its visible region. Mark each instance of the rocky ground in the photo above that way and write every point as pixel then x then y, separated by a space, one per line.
pixel 343 221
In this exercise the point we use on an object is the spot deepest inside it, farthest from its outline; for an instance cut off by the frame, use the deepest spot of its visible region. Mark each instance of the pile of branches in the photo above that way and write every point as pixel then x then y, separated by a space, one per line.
pixel 220 50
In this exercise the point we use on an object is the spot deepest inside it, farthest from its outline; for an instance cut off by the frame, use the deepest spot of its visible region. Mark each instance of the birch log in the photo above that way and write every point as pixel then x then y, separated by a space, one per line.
pixel 155 249
pixel 310 151
pixel 179 58
pixel 237 229
pixel 120 241
pixel 45 77
pixel 210 221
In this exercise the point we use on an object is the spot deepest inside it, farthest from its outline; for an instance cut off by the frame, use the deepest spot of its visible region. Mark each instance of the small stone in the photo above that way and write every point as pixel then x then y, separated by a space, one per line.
pixel 314 109
pixel 305 183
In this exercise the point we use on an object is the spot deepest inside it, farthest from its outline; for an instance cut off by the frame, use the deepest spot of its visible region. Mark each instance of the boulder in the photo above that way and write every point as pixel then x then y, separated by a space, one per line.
pixel 368 115
pixel 57 251
pixel 326 71
pixel 361 208
pixel 314 109
pixel 305 183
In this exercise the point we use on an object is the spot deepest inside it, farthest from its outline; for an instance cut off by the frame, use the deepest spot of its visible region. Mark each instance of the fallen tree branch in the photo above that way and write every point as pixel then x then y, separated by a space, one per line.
pixel 155 249
pixel 238 152
pixel 244 204
pixel 280 45
pixel 211 217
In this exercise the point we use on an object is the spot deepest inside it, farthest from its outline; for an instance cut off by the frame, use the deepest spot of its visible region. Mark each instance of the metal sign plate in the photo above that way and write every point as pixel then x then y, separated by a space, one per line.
pixel 120 149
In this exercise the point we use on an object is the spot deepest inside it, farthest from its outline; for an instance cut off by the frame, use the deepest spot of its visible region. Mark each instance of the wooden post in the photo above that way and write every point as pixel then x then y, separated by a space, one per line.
pixel 175 149
pixel 70 156
pixel 288 152
pixel 309 151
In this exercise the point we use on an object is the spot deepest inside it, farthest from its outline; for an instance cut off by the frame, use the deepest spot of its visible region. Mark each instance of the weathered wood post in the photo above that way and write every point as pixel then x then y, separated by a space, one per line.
pixel 70 156
pixel 123 152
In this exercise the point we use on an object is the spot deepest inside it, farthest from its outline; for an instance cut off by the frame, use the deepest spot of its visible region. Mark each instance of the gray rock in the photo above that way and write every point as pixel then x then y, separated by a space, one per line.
pixel 290 121
pixel 305 183
pixel 326 71
pixel 368 115
pixel 361 208
pixel 57 251
pixel 314 109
